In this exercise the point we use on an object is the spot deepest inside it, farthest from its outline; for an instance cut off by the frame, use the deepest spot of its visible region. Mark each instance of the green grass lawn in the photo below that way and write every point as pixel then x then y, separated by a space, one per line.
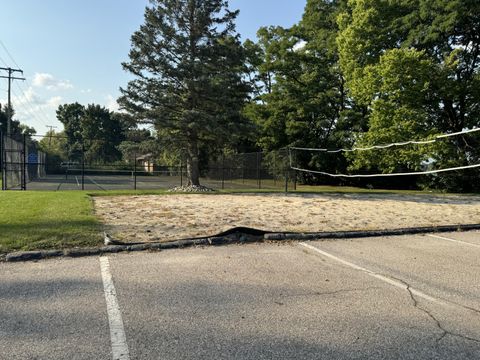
pixel 46 220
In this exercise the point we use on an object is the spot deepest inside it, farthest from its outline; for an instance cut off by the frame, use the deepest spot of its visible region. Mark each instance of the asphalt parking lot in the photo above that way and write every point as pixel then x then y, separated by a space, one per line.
pixel 406 297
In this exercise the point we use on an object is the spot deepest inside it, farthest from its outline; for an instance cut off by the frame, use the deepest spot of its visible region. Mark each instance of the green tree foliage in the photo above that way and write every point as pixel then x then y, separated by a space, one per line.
pixel 16 129
pixel 54 145
pixel 71 115
pixel 189 72
pixel 304 101
pixel 415 64
pixel 94 129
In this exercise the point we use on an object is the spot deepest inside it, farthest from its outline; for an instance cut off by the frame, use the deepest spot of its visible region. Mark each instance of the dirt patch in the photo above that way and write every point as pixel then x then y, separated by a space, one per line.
pixel 172 217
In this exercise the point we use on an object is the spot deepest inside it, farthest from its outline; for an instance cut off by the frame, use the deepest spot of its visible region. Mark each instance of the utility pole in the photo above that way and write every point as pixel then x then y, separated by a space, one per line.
pixel 50 133
pixel 10 77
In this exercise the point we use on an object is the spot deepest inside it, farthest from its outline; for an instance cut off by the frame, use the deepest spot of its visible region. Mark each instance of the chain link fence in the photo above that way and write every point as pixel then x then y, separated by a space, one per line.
pixel 250 170
pixel 21 162
pixel 85 166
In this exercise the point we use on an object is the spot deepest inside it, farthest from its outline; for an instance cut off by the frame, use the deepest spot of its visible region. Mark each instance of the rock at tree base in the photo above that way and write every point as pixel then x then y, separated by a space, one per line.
pixel 191 189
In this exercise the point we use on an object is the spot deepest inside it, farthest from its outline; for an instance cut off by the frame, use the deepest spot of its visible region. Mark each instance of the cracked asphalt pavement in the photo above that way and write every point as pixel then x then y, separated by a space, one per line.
pixel 405 297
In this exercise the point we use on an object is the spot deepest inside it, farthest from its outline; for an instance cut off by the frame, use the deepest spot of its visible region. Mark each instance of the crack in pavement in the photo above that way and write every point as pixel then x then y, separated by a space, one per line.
pixel 412 291
pixel 416 305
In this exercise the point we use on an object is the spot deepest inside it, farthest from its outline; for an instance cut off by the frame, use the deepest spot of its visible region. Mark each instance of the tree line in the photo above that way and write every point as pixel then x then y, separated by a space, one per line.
pixel 349 73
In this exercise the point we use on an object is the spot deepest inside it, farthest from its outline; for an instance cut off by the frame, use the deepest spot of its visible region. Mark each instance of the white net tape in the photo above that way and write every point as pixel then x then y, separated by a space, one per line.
pixel 389 174
pixel 386 146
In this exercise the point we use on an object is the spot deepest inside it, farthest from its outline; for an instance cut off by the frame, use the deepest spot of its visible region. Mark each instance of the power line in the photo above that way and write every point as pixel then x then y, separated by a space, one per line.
pixel 34 107
pixel 41 110
pixel 29 108
pixel 8 54
pixel 45 118
pixel 3 61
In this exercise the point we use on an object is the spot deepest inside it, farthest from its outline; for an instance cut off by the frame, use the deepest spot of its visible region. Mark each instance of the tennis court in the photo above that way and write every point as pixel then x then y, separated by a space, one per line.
pixel 407 297
pixel 127 180
pixel 93 180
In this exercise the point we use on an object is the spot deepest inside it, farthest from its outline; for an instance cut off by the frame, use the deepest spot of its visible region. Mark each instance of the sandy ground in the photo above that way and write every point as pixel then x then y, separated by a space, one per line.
pixel 173 217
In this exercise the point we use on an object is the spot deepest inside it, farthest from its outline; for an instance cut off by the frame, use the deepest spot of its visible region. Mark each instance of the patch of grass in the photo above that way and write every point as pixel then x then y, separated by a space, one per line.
pixel 46 220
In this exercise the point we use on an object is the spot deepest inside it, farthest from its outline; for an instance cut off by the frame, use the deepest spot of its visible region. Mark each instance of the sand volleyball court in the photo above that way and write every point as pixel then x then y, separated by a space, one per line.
pixel 173 217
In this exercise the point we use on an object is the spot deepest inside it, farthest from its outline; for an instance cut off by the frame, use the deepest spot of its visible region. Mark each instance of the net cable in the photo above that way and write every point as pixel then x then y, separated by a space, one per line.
pixel 385 146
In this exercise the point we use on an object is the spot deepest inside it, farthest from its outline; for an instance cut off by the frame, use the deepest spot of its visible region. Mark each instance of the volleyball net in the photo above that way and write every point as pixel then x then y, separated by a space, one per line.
pixel 439 158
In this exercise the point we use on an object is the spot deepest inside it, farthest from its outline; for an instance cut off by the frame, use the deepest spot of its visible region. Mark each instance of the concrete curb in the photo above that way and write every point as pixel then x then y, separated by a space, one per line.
pixel 370 233
pixel 231 238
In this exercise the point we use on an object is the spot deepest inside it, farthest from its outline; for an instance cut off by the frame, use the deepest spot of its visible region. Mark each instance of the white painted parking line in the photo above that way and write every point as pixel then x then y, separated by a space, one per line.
pixel 117 332
pixel 389 280
pixel 453 240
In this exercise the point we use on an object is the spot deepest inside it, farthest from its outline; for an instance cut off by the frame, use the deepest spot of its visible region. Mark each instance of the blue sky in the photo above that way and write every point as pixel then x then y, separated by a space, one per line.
pixel 71 50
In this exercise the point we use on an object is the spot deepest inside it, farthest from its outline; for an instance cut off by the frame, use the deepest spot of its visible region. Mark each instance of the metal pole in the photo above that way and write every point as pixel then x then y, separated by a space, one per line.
pixel 135 171
pixel 223 171
pixel 10 77
pixel 181 170
pixel 295 180
pixel 1 160
pixel 83 166
pixel 24 163
pixel 9 114
pixel 258 171
pixel 286 180
pixel 243 169
pixel 5 165
pixel 274 169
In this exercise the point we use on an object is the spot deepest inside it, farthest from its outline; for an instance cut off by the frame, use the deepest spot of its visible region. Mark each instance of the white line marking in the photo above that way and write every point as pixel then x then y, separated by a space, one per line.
pixel 117 332
pixel 386 279
pixel 94 182
pixel 452 240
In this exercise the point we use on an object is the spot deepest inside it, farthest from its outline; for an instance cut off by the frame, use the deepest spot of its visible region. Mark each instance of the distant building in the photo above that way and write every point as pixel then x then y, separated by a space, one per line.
pixel 145 162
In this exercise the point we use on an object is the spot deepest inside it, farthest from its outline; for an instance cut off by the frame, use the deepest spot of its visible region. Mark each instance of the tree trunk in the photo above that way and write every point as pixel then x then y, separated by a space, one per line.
pixel 193 170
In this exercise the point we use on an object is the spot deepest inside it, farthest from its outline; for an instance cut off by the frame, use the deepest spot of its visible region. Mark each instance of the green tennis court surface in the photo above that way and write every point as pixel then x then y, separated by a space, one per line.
pixel 127 181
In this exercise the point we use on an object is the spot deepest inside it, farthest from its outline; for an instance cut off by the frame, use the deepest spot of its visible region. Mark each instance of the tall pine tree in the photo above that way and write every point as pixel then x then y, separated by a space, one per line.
pixel 189 66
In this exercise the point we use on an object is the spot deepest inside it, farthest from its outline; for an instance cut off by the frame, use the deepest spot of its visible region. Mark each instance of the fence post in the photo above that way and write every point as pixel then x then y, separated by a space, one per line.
pixel 243 169
pixel 83 166
pixel 223 170
pixel 135 171
pixel 2 145
pixel 274 169
pixel 181 170
pixel 24 163
pixel 286 180
pixel 295 180
pixel 258 171
pixel 5 164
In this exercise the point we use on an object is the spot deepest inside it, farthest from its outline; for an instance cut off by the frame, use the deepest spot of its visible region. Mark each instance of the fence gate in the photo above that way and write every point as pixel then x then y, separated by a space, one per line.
pixel 13 164
pixel 20 162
